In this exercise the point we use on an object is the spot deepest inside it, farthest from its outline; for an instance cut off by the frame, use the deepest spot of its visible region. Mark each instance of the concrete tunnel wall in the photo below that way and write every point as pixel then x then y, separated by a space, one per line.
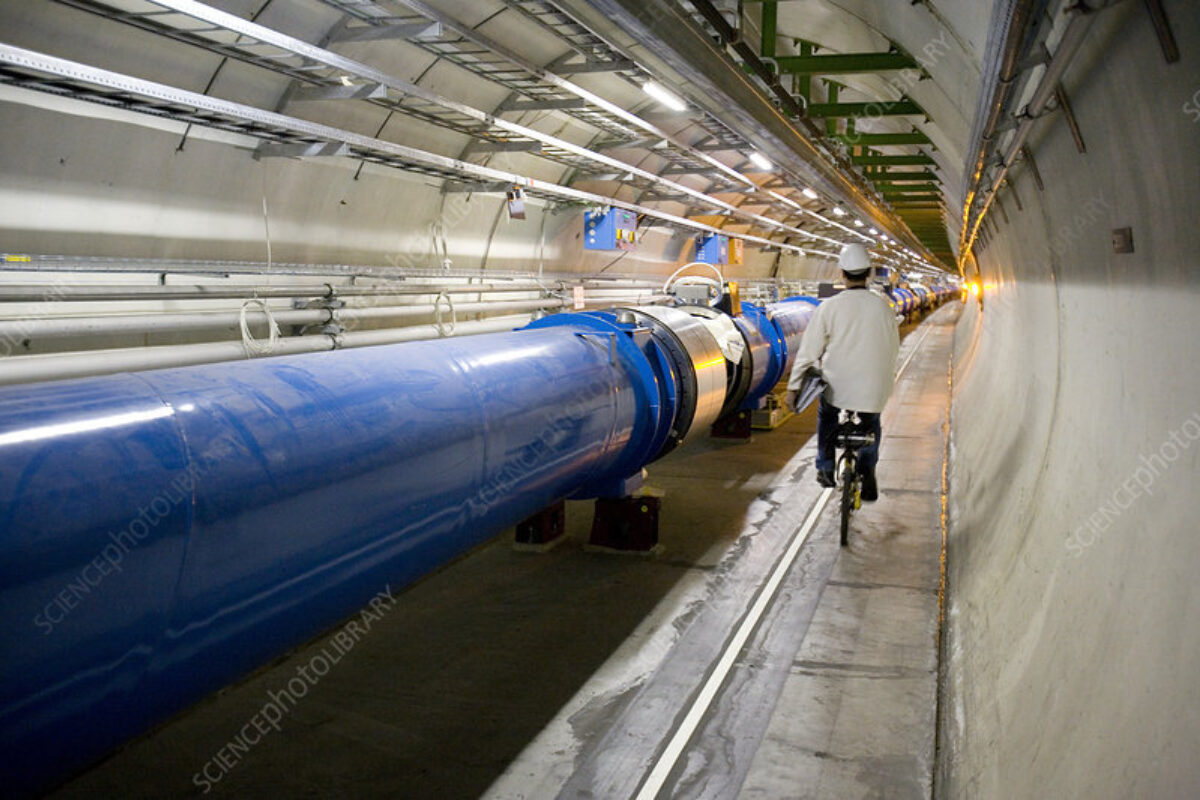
pixel 1072 637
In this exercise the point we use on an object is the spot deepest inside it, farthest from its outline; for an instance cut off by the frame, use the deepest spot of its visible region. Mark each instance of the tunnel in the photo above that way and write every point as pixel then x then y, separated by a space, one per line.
pixel 394 398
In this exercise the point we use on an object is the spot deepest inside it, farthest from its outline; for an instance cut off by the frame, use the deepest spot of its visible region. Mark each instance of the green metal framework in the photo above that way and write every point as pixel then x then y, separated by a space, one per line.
pixel 915 195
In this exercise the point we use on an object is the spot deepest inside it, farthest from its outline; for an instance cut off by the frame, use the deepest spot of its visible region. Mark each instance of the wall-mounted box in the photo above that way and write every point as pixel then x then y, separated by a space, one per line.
pixel 712 248
pixel 612 229
pixel 737 251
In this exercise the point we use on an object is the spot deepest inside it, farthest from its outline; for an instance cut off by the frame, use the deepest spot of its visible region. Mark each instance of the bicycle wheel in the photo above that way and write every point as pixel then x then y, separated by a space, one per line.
pixel 847 500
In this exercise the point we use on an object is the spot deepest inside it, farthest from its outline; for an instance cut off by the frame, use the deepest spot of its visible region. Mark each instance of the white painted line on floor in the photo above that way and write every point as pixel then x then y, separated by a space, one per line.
pixel 912 353
pixel 708 692
pixel 666 762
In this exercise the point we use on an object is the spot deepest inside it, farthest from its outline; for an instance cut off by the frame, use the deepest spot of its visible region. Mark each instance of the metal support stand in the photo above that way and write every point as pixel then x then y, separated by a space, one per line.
pixel 773 414
pixel 735 426
pixel 626 525
pixel 543 530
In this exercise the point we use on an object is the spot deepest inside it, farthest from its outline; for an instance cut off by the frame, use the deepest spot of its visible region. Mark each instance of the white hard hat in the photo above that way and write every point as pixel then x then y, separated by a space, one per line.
pixel 854 259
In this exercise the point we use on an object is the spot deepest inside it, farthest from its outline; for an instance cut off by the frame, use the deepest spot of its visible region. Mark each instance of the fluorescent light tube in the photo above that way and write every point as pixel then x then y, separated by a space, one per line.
pixel 761 161
pixel 664 96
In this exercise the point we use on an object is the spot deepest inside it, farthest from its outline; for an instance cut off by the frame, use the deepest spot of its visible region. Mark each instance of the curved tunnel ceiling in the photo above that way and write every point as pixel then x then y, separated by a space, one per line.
pixel 890 89
pixel 518 86
pixel 935 50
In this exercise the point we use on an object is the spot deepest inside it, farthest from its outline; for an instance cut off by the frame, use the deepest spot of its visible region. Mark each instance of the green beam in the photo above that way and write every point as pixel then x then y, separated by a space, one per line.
pixel 882 179
pixel 895 161
pixel 895 108
pixel 886 186
pixel 803 83
pixel 841 63
pixel 899 177
pixel 769 28
pixel 831 123
pixel 878 139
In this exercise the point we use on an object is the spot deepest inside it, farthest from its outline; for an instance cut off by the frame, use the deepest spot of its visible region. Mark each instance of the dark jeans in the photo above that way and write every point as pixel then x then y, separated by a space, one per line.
pixel 827 423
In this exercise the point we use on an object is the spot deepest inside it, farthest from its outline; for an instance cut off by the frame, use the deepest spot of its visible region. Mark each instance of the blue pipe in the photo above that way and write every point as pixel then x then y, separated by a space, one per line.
pixel 781 325
pixel 165 533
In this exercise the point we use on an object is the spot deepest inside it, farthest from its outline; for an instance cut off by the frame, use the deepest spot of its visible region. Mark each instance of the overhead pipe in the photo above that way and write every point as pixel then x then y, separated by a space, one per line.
pixel 164 533
pixel 1073 37
pixel 46 293
pixel 1082 16
pixel 128 324
pixel 61 366
pixel 1014 20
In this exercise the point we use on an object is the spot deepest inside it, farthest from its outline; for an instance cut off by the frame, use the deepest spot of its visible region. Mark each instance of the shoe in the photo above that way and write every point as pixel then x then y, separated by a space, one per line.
pixel 870 489
pixel 825 477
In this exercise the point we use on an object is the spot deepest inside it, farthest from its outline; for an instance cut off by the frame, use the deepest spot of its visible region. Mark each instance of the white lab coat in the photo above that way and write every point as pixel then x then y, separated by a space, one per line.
pixel 853 339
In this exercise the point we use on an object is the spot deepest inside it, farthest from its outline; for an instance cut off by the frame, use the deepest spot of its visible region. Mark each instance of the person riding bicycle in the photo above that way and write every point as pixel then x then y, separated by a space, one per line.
pixel 854 340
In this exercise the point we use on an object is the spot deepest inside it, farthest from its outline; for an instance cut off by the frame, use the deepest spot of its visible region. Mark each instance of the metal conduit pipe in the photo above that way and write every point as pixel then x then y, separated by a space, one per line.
pixel 55 293
pixel 60 366
pixel 1076 32
pixel 62 327
pixel 1010 20
pixel 285 492
pixel 1080 23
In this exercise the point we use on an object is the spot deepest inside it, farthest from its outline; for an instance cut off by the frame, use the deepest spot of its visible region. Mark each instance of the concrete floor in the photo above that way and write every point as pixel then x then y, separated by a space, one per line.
pixel 520 675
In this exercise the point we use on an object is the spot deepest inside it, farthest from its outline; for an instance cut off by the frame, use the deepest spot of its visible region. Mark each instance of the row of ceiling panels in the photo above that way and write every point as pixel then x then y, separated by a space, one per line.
pixel 319 73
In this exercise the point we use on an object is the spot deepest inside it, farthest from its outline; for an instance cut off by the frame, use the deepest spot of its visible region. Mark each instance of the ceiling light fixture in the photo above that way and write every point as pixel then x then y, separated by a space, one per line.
pixel 858 223
pixel 873 232
pixel 839 211
pixel 761 161
pixel 664 96
pixel 810 194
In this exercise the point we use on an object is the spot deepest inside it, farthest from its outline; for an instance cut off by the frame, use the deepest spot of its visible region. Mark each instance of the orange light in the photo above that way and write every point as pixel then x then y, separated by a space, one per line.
pixel 975 289
pixel 714 362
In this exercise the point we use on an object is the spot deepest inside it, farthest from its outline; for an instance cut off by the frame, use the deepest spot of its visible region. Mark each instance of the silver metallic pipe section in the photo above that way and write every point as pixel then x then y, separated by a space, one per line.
pixel 701 367
pixel 1068 46
pixel 52 293
pixel 59 366
pixel 65 327
pixel 1007 37
pixel 1082 16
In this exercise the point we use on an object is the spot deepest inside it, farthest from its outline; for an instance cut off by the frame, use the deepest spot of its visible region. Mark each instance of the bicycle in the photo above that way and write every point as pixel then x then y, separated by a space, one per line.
pixel 852 436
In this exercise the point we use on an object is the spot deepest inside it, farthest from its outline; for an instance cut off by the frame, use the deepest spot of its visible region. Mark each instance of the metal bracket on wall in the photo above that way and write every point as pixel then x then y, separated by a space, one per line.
pixel 1016 197
pixel 1162 29
pixel 1060 95
pixel 1000 206
pixel 1027 157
